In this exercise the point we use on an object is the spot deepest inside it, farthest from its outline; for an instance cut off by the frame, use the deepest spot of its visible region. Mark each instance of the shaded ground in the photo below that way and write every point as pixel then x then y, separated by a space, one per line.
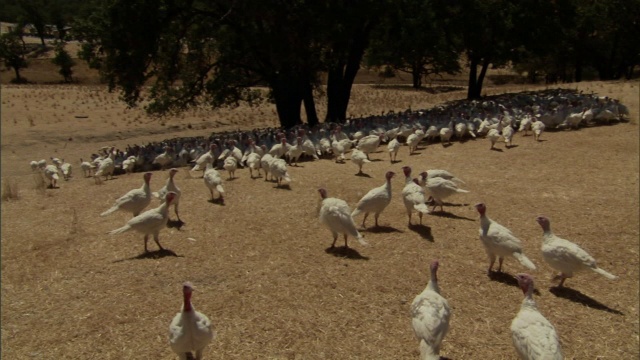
pixel 260 263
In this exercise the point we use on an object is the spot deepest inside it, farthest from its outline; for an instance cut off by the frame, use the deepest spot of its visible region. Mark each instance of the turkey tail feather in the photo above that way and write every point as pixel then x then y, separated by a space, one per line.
pixel 120 230
pixel 524 261
pixel 422 208
pixel 220 189
pixel 604 273
pixel 114 208
pixel 355 212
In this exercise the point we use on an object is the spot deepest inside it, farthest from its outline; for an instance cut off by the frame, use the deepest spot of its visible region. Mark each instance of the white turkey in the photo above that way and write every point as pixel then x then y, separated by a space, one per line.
pixel 445 133
pixel 507 133
pixel 494 135
pixel 438 173
pixel 564 256
pixel 279 150
pixel 533 336
pixel 413 196
pixel 439 188
pixel 369 144
pixel 165 159
pixel 295 151
pixel 375 201
pixel 412 142
pixel 106 167
pixel 170 185
pixel 50 173
pixel 205 159
pixel 253 162
pixel 34 165
pixel 213 181
pixel 336 215
pixel 231 164
pixel 393 146
pixel 278 169
pixel 359 158
pixel 149 222
pixel 460 130
pixel 265 164
pixel 135 200
pixel 537 127
pixel 190 330
pixel 128 164
pixel 500 242
pixel 86 168
pixel 525 125
pixel 431 133
pixel 430 316
pixel 66 170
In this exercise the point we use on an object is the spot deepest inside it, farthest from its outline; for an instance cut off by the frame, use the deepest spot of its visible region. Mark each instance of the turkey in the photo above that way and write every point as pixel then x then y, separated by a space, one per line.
pixel 339 147
pixel 50 173
pixel 106 167
pixel 278 169
pixel 170 185
pixel 430 316
pixel 279 150
pixel 413 196
pixel 149 222
pixel 533 336
pixel 537 127
pixel 499 241
pixel 494 135
pixel 359 158
pixel 438 173
pixel 336 215
pixel 412 142
pixel 190 330
pixel 375 201
pixel 128 164
pixel 253 162
pixel 295 151
pixel 507 133
pixel 87 168
pixel 369 144
pixel 213 181
pixel 439 188
pixel 525 125
pixel 135 200
pixel 230 164
pixel 205 159
pixel 66 170
pixel 460 130
pixel 265 164
pixel 564 256
pixel 165 159
pixel 34 165
pixel 445 133
pixel 393 146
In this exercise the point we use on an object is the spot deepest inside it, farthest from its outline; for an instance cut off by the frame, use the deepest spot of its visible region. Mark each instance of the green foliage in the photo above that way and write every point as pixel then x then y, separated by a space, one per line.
pixel 63 60
pixel 12 54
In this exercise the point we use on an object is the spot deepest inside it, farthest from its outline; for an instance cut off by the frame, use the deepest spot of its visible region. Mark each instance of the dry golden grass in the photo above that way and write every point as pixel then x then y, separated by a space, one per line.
pixel 259 263
pixel 9 190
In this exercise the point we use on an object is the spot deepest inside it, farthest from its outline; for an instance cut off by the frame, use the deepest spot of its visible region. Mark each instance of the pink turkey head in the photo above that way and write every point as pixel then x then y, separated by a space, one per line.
pixel 323 193
pixel 147 177
pixel 415 180
pixel 299 140
pixel 525 281
pixel 424 175
pixel 434 268
pixel 481 208
pixel 173 172
pixel 544 222
pixel 213 147
pixel 187 287
pixel 407 171
pixel 170 197
pixel 283 140
pixel 389 175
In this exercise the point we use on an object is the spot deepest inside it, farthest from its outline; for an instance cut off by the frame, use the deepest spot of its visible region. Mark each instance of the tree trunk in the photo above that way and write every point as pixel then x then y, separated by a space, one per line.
pixel 342 75
pixel 287 95
pixel 483 72
pixel 416 75
pixel 18 77
pixel 309 105
pixel 473 73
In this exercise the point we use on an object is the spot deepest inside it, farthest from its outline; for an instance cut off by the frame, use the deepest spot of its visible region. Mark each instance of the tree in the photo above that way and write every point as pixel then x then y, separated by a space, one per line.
pixel 12 54
pixel 34 13
pixel 414 39
pixel 207 53
pixel 64 61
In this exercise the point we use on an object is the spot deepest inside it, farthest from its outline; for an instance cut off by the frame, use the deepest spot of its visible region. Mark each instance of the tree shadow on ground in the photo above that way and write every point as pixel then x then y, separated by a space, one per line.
pixel 423 230
pixel 346 252
pixel 176 224
pixel 361 174
pixel 580 298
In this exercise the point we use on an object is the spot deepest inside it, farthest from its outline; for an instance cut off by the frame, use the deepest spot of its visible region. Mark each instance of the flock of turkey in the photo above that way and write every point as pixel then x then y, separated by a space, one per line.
pixel 270 151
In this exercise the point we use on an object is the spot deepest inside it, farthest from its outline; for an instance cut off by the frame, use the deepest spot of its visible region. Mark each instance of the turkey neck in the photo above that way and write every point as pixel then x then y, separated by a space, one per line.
pixel 433 284
pixel 547 235
pixel 187 302
pixel 485 222
pixel 528 302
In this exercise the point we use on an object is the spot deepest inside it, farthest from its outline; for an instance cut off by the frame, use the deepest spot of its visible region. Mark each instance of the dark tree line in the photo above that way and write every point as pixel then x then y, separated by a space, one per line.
pixel 197 52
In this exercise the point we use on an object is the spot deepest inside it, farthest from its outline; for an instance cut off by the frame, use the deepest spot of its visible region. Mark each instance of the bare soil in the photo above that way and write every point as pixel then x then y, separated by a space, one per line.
pixel 260 263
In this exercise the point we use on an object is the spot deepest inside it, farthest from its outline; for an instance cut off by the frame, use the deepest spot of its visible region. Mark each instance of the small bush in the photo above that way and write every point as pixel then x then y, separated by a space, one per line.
pixel 10 190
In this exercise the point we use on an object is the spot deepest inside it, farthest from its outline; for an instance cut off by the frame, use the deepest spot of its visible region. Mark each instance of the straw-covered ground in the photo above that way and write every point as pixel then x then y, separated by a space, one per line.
pixel 260 263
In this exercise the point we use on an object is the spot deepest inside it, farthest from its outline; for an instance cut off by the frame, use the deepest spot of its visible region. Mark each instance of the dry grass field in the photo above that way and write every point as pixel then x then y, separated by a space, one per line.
pixel 260 263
